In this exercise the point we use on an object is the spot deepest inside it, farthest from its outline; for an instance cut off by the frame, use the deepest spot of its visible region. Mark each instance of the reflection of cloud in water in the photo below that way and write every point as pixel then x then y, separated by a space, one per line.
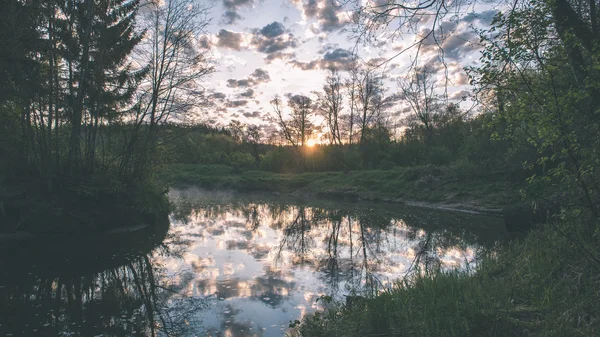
pixel 240 245
pixel 269 262
pixel 270 290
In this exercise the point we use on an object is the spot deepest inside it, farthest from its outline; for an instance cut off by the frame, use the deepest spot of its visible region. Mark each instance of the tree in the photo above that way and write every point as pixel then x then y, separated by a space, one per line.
pixel 72 74
pixel 176 66
pixel 368 99
pixel 351 87
pixel 237 130
pixel 113 79
pixel 418 91
pixel 575 23
pixel 523 67
pixel 253 137
pixel 330 103
pixel 298 128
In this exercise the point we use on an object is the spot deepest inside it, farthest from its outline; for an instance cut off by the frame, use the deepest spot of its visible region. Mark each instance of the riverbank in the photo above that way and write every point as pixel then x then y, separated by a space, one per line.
pixel 446 187
pixel 544 285
pixel 90 209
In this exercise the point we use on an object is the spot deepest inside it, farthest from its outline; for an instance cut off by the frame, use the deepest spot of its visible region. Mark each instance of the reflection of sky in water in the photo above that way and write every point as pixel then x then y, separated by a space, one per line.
pixel 264 264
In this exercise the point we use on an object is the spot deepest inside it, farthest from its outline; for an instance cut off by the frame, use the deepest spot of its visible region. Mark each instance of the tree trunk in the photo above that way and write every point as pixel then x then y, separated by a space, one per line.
pixel 76 118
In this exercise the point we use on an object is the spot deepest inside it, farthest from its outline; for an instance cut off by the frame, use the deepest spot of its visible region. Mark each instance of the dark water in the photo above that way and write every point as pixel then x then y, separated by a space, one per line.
pixel 228 265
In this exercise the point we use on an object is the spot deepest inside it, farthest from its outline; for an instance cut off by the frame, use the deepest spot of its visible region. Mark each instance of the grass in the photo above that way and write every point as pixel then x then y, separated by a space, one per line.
pixel 450 185
pixel 541 286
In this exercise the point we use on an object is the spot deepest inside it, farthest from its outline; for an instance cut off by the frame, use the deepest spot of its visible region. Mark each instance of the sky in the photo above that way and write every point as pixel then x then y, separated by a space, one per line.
pixel 263 48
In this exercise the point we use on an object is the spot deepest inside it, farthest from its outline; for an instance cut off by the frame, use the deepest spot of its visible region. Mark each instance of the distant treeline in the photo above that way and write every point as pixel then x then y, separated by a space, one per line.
pixel 465 140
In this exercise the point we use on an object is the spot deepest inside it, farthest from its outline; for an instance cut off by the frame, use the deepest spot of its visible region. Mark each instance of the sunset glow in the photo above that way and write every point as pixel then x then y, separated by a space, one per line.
pixel 311 142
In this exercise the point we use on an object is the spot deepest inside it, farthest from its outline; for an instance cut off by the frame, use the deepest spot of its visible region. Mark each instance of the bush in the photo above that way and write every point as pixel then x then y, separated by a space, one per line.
pixel 276 160
pixel 241 160
pixel 439 156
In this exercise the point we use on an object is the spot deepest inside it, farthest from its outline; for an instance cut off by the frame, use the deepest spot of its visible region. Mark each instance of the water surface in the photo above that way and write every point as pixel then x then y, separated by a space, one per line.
pixel 230 265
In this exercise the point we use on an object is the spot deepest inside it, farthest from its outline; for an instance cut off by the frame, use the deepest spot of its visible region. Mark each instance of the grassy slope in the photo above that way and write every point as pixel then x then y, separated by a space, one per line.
pixel 542 286
pixel 443 185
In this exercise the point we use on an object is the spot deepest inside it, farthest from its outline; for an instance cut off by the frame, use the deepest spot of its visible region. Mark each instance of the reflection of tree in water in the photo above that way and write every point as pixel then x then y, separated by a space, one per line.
pixel 351 244
pixel 296 236
pixel 252 216
pixel 356 241
pixel 127 300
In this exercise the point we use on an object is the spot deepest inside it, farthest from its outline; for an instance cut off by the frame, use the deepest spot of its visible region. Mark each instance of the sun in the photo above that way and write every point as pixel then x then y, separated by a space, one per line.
pixel 311 143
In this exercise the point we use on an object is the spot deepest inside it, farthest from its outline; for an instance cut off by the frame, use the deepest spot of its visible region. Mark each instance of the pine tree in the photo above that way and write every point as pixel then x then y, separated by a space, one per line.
pixel 112 76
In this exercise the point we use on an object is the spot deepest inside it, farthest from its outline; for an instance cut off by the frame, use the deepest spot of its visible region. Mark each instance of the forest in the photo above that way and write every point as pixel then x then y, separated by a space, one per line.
pixel 85 87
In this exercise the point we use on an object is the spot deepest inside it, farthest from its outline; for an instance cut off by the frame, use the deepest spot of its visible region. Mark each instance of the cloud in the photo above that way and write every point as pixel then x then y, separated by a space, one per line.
pixel 218 95
pixel 310 7
pixel 205 42
pixel 460 78
pixel 231 15
pixel 235 4
pixel 233 83
pixel 339 58
pixel 248 93
pixel 253 114
pixel 325 47
pixel 460 95
pixel 279 56
pixel 273 29
pixel 337 55
pixel 484 17
pixel 374 62
pixel 258 76
pixel 455 41
pixel 331 19
pixel 273 45
pixel 272 39
pixel 305 65
pixel 236 103
pixel 329 15
pixel 397 46
pixel 459 44
pixel 261 75
pixel 228 39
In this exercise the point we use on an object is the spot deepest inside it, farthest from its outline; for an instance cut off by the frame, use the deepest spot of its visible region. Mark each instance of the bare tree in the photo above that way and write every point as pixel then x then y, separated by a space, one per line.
pixel 380 21
pixel 298 128
pixel 418 90
pixel 368 99
pixel 176 64
pixel 330 104
pixel 351 88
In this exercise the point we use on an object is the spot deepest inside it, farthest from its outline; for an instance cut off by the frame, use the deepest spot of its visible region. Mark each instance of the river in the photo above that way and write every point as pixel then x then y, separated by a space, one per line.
pixel 226 264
